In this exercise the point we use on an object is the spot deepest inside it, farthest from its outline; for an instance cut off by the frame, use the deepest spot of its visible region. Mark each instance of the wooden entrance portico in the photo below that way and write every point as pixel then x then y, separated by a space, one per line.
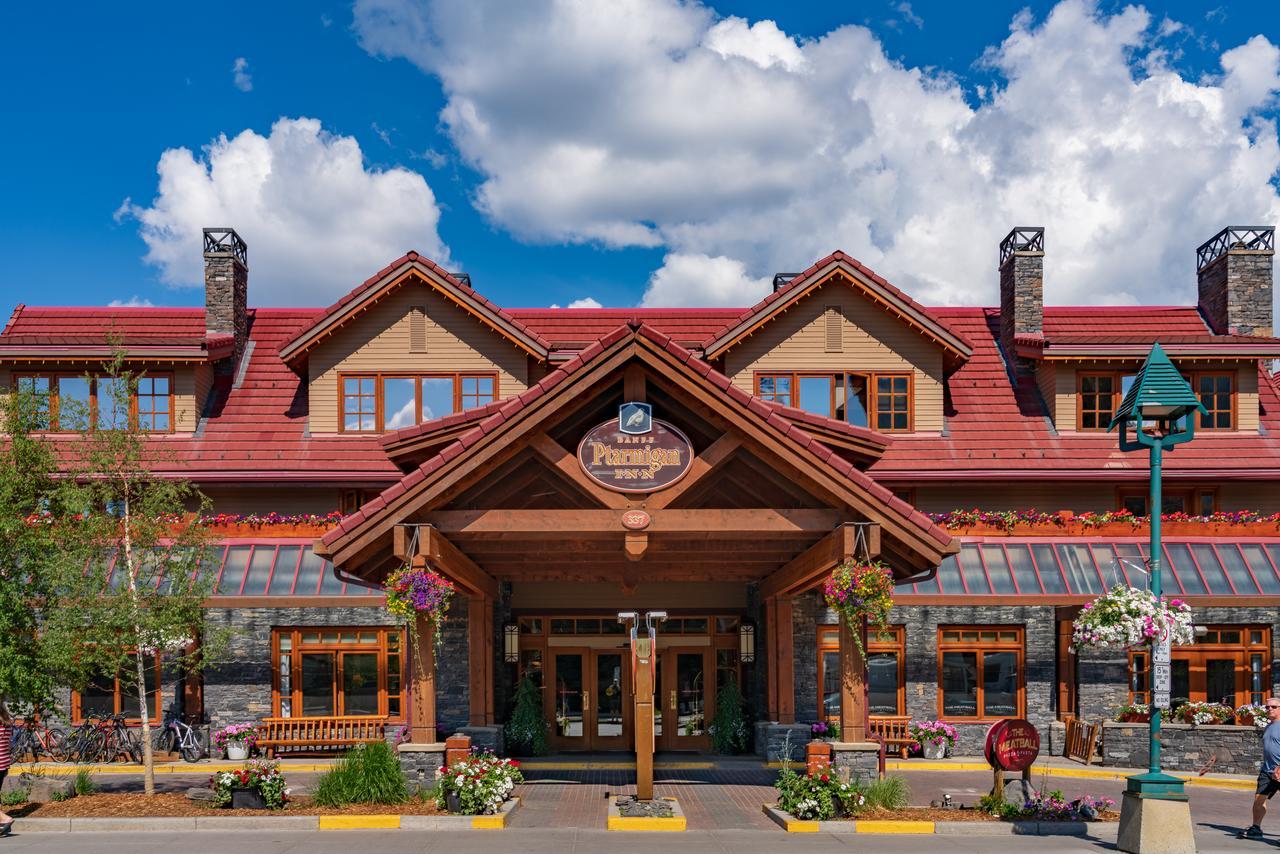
pixel 497 495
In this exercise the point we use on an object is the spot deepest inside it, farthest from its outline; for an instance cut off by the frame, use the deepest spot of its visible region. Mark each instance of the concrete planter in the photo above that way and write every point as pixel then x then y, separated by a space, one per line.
pixel 1216 749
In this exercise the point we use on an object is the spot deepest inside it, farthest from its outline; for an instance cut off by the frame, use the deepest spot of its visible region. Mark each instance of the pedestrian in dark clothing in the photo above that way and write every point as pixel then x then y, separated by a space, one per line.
pixel 6 759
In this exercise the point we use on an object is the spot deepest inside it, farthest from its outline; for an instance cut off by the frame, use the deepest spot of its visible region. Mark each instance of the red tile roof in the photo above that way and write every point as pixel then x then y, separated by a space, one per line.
pixel 567 328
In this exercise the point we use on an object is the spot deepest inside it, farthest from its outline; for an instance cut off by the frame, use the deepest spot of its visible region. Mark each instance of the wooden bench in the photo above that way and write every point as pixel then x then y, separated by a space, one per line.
pixel 315 735
pixel 894 732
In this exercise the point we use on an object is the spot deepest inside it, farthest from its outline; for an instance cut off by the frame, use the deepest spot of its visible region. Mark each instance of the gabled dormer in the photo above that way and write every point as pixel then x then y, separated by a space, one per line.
pixel 410 344
pixel 840 341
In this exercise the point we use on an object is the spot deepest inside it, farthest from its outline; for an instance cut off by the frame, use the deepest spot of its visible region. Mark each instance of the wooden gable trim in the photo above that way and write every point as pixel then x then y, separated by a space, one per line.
pixel 486 449
pixel 312 337
pixel 892 303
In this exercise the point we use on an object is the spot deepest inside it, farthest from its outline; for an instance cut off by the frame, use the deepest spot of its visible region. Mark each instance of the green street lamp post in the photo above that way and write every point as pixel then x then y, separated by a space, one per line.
pixel 1161 409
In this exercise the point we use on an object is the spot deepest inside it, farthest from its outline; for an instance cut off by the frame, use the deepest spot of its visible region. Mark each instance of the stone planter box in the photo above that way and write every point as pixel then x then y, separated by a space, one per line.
pixel 1213 749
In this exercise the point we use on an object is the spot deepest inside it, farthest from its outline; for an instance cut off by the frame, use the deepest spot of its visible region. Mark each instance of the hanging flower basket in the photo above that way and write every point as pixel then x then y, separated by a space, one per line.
pixel 860 590
pixel 1125 617
pixel 419 592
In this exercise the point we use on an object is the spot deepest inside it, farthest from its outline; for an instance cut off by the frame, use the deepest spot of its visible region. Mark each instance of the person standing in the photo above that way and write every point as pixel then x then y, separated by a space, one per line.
pixel 6 759
pixel 1268 779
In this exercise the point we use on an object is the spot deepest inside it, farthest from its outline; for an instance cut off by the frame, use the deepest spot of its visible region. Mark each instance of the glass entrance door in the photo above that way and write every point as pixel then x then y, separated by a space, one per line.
pixel 589 700
pixel 686 681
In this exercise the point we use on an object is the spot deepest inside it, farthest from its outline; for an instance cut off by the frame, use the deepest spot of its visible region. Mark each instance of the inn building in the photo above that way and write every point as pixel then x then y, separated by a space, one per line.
pixel 562 465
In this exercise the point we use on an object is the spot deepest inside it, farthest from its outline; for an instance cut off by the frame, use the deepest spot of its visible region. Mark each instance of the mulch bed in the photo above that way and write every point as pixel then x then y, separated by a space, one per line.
pixel 935 814
pixel 169 805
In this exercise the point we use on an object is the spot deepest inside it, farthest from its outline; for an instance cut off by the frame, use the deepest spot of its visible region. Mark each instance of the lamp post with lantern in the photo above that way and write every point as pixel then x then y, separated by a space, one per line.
pixel 1160 408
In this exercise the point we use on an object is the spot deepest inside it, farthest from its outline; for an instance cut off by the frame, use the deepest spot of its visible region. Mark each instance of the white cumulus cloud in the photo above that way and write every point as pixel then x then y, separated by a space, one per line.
pixel 742 150
pixel 240 75
pixel 134 301
pixel 316 220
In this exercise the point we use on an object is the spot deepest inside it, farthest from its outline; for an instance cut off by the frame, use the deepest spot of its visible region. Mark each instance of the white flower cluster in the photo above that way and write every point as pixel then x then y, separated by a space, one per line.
pixel 1124 617
pixel 164 642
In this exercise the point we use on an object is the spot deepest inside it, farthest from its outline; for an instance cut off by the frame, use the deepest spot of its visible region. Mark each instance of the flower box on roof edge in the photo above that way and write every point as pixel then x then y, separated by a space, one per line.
pixel 248 531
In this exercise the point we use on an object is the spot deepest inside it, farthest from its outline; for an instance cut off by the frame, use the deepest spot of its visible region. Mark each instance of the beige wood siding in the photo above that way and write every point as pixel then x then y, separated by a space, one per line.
pixel 1046 379
pixel 203 387
pixel 871 340
pixel 1262 496
pixel 1065 385
pixel 379 340
pixel 186 411
pixel 1046 497
pixel 262 500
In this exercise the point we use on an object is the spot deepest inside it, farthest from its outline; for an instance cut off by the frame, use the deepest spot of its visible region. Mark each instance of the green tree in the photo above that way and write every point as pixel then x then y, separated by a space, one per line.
pixel 729 730
pixel 526 729
pixel 41 558
pixel 149 594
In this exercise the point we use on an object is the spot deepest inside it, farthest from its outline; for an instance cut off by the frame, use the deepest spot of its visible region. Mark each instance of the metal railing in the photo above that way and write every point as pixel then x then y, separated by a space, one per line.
pixel 1023 238
pixel 226 240
pixel 1255 237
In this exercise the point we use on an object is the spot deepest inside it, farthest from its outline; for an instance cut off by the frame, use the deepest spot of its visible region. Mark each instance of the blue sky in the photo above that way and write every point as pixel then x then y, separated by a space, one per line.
pixel 106 90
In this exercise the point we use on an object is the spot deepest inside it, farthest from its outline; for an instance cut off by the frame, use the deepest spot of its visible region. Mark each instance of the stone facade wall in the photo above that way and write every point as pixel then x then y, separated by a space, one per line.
pixel 1235 292
pixel 1214 749
pixel 238 687
pixel 1021 300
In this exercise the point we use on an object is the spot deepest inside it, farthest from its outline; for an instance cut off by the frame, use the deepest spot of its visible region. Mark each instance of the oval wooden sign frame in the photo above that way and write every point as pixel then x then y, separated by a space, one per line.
pixel 663 437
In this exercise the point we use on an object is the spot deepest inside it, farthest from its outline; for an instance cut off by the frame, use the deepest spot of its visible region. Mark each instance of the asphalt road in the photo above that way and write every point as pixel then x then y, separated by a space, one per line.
pixel 564 841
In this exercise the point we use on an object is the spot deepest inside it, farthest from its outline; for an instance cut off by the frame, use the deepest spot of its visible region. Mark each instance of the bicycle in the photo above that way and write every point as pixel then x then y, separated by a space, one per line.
pixel 86 741
pixel 176 736
pixel 33 738
pixel 120 741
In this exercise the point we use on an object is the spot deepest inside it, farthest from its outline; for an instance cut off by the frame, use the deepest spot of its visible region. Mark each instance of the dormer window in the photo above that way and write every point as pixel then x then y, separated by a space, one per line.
pixel 375 403
pixel 881 401
pixel 70 402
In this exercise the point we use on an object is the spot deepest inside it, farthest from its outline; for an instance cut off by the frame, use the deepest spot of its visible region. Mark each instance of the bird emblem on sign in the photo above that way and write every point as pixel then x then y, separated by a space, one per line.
pixel 635 418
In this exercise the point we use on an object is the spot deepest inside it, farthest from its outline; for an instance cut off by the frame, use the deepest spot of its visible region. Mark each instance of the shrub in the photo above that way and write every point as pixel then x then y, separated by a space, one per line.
pixel 729 730
pixel 1204 714
pixel 481 783
pixel 890 793
pixel 1046 806
pixel 820 797
pixel 526 730
pixel 264 776
pixel 14 796
pixel 367 774
pixel 1252 715
pixel 83 783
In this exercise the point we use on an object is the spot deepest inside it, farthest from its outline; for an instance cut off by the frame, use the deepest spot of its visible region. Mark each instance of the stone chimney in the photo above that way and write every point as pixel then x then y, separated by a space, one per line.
pixel 1233 269
pixel 226 287
pixel 1021 291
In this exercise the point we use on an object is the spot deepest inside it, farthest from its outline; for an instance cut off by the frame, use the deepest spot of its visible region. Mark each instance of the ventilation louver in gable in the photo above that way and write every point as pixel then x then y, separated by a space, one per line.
pixel 418 329
pixel 835 339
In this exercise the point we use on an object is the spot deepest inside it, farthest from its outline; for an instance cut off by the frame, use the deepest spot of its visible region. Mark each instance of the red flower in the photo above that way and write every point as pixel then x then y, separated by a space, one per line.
pixel 825 778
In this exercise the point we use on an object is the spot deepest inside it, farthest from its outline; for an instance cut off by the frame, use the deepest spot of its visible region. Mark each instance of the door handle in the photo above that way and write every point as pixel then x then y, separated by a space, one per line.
pixel 586 700
pixel 672 701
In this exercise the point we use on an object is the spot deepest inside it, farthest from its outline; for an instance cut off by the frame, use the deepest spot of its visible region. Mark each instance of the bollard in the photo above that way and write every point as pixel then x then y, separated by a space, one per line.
pixel 456 747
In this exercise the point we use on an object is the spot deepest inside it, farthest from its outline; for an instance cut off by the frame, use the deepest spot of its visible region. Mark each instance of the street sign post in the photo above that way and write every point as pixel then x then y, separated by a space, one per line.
pixel 1161 674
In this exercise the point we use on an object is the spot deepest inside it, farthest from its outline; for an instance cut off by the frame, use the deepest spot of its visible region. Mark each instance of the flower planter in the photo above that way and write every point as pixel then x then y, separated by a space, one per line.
pixel 237 530
pixel 247 799
pixel 934 751
pixel 237 752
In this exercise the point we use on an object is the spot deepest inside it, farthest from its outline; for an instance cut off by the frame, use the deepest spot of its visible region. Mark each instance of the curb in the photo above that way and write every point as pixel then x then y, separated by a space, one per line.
pixel 225 823
pixel 60 769
pixel 791 824
pixel 674 822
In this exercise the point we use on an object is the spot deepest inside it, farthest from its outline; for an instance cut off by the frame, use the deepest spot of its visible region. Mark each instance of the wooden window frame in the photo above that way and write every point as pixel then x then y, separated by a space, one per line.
pixel 980 647
pixel 1192 496
pixel 338 649
pixel 55 377
pixel 77 709
pixel 871 377
pixel 1199 650
pixel 1233 394
pixel 379 403
pixel 828 640
pixel 1117 395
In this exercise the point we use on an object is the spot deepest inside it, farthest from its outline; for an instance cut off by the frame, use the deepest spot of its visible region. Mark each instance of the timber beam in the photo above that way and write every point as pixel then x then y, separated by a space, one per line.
pixel 807 568
pixel 702 465
pixel 444 555
pixel 749 523
pixel 567 465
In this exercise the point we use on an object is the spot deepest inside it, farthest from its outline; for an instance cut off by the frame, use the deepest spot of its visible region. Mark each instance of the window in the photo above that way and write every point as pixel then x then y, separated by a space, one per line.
pixel 352 500
pixel 886 672
pixel 1201 501
pixel 879 401
pixel 1098 397
pixel 117 694
pixel 74 401
pixel 374 403
pixel 980 672
pixel 1217 393
pixel 342 671
pixel 1228 664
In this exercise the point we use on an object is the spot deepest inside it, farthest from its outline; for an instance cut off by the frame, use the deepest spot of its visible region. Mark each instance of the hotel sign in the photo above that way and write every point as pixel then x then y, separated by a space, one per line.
pixel 617 456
